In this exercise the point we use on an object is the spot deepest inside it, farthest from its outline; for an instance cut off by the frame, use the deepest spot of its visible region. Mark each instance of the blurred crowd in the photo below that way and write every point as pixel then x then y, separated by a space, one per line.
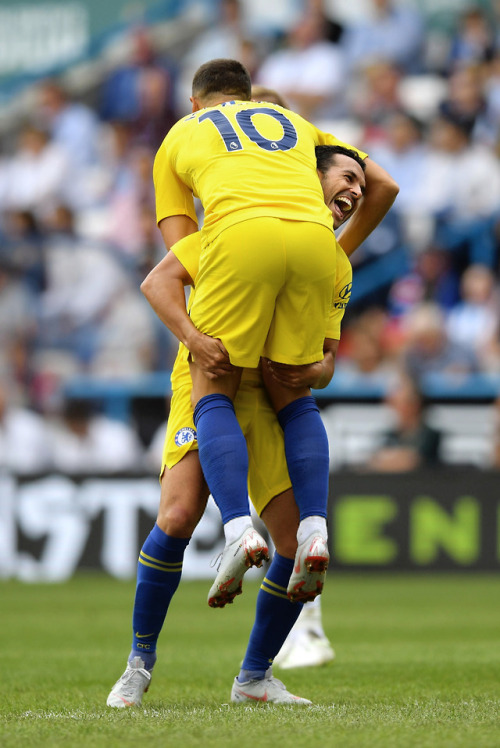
pixel 77 214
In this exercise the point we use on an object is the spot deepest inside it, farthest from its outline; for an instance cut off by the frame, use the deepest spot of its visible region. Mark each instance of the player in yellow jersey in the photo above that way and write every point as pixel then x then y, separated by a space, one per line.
pixel 184 494
pixel 264 287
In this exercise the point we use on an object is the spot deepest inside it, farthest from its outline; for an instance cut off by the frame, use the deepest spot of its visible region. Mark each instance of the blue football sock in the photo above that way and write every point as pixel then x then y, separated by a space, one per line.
pixel 307 456
pixel 223 455
pixel 274 618
pixel 158 576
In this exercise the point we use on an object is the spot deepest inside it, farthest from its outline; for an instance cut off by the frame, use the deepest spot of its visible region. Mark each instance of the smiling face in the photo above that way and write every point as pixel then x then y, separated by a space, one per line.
pixel 343 186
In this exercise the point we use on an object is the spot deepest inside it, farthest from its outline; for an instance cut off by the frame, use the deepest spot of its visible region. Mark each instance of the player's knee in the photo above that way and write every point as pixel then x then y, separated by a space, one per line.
pixel 179 520
pixel 286 546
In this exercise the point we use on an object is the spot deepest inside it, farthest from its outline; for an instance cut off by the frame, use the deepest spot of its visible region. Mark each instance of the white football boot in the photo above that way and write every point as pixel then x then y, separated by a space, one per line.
pixel 249 550
pixel 131 686
pixel 304 648
pixel 309 569
pixel 268 690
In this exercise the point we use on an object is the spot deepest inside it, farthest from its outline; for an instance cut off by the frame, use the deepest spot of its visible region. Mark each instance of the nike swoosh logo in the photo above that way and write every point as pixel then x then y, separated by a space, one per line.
pixel 255 698
pixel 143 636
pixel 127 703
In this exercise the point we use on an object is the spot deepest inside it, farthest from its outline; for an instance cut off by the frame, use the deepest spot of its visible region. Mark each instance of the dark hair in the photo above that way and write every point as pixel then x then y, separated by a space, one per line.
pixel 79 409
pixel 325 156
pixel 221 76
pixel 463 124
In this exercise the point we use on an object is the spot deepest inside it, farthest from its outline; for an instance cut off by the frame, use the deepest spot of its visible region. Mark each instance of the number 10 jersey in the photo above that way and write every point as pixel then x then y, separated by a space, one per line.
pixel 243 159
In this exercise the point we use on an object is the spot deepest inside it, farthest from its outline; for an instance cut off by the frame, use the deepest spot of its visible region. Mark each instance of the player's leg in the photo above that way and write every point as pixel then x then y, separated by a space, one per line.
pixel 183 499
pixel 306 443
pixel 275 613
pixel 307 456
pixel 223 454
pixel 234 304
pixel 222 447
pixel 306 645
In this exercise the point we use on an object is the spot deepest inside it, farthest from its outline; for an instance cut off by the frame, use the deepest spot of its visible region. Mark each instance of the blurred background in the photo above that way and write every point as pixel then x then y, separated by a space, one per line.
pixel 88 91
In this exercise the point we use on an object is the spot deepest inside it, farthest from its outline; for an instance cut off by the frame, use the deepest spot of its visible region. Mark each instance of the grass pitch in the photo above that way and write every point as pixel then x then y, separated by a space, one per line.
pixel 418 664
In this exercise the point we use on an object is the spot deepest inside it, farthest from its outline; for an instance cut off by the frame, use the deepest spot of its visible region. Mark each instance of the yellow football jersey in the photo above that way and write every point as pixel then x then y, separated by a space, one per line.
pixel 243 160
pixel 343 285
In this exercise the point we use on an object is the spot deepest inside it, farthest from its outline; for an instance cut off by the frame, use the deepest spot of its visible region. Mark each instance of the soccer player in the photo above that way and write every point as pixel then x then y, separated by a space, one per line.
pixel 184 494
pixel 265 284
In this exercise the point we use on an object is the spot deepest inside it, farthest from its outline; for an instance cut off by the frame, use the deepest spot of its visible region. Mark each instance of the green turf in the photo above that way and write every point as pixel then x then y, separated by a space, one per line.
pixel 418 664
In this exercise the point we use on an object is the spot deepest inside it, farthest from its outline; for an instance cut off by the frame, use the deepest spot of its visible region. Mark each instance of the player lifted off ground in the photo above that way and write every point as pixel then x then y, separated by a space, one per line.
pixel 184 493
pixel 264 288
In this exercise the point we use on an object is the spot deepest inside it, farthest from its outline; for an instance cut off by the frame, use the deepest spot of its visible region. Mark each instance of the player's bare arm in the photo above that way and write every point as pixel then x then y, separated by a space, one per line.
pixel 381 191
pixel 164 290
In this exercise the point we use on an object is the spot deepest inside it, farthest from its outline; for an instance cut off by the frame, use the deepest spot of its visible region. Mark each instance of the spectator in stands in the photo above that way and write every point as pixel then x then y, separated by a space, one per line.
pixel 84 441
pixel 71 124
pixel 394 33
pixel 37 173
pixel 75 128
pixel 92 310
pixel 374 97
pixel 309 71
pixel 495 11
pixel 82 278
pixel 429 351
pixel 466 103
pixel 401 152
pixel 492 95
pixel 461 191
pixel 475 320
pixel 411 443
pixel 227 35
pixel 141 93
pixel 126 341
pixel 130 191
pixel 18 323
pixel 364 356
pixel 21 246
pixel 24 437
pixel 431 278
pixel 473 40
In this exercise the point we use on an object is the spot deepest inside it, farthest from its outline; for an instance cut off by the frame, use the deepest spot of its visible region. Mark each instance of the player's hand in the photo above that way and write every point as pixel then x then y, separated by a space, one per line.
pixel 295 377
pixel 210 356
